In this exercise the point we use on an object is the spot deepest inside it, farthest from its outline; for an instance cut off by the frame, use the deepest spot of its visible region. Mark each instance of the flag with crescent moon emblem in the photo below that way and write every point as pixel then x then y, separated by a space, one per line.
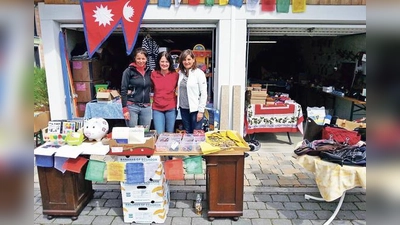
pixel 101 17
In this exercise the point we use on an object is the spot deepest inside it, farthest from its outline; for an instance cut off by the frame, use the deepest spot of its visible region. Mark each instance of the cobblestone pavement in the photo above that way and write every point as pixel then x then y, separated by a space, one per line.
pixel 273 194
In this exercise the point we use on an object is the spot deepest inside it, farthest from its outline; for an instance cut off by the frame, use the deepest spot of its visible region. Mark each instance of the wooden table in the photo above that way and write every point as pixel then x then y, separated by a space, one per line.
pixel 356 105
pixel 67 194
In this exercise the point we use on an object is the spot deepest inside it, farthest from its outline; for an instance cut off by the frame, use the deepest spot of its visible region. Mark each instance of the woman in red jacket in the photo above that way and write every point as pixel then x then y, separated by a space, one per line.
pixel 164 79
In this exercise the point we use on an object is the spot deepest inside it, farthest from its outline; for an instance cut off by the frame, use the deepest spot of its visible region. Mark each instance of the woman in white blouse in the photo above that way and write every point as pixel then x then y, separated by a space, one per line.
pixel 192 92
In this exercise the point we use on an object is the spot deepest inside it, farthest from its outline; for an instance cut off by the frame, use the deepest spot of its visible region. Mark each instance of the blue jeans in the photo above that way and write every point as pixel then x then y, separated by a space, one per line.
pixel 189 121
pixel 164 121
pixel 139 116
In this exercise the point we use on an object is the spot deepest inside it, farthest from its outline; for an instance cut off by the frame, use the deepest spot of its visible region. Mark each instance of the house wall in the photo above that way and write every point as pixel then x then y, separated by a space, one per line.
pixel 230 44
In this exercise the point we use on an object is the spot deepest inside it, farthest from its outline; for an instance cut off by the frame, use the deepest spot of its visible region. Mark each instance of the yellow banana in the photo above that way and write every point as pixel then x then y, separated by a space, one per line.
pixel 158 211
pixel 158 188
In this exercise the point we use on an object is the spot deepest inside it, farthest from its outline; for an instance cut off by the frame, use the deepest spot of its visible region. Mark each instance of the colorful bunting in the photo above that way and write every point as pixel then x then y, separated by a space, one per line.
pixel 237 3
pixel 95 170
pixel 298 6
pixel 223 2
pixel 177 3
pixel 194 165
pixel 44 161
pixel 115 171
pixel 193 2
pixel 209 2
pixel 164 3
pixel 134 173
pixel 59 163
pixel 282 6
pixel 75 165
pixel 174 169
pixel 268 5
pixel 252 5
pixel 150 169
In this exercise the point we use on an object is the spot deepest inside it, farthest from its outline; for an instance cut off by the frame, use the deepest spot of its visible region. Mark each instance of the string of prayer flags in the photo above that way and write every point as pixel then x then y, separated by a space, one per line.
pixel 209 2
pixel 95 170
pixel 223 2
pixel 177 3
pixel 44 161
pixel 282 6
pixel 116 171
pixel 151 168
pixel 174 169
pixel 59 162
pixel 237 3
pixel 298 6
pixel 268 5
pixel 194 165
pixel 164 3
pixel 194 2
pixel 74 165
pixel 252 5
pixel 134 173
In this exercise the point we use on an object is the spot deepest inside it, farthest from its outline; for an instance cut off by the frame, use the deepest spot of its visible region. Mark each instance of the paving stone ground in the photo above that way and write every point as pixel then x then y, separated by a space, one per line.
pixel 273 194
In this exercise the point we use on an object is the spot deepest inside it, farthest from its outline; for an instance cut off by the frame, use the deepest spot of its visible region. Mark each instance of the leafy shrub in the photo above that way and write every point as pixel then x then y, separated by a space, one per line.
pixel 40 95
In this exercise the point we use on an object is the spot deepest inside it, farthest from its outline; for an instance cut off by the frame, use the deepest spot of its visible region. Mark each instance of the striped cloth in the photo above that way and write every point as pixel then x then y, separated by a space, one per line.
pixel 151 47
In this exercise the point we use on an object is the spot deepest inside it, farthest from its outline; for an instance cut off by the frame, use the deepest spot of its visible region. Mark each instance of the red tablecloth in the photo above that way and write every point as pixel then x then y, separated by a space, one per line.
pixel 273 118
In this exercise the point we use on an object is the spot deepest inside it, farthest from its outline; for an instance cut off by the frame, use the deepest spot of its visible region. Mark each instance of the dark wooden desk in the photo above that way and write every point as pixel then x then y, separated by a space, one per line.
pixel 64 194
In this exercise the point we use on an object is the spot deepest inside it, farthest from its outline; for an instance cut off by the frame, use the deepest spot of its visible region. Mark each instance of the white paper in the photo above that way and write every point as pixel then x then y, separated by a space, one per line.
pixel 95 148
pixel 117 149
pixel 68 151
pixel 42 150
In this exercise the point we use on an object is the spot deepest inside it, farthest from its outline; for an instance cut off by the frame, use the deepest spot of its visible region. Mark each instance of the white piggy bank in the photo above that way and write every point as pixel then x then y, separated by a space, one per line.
pixel 95 129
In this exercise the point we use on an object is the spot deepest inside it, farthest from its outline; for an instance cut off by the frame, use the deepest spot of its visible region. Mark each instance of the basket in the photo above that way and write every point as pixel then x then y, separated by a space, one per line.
pixel 101 87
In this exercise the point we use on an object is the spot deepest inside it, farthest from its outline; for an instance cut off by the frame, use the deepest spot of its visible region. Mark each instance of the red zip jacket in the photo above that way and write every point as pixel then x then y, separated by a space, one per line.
pixel 164 90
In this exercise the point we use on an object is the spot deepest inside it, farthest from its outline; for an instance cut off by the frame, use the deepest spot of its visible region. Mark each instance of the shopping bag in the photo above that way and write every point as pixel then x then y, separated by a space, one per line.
pixel 312 130
pixel 341 135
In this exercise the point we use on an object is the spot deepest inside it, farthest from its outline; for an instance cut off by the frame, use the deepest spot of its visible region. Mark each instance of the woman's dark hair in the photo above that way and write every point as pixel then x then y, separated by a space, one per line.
pixel 168 57
pixel 139 51
pixel 184 54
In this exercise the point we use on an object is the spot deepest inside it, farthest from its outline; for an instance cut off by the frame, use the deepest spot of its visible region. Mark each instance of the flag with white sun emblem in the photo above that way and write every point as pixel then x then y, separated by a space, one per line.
pixel 101 17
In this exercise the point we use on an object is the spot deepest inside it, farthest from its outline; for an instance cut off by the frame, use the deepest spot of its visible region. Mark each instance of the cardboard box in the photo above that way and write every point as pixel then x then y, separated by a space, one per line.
pixel 85 90
pixel 146 212
pixel 40 120
pixel 81 109
pixel 86 70
pixel 107 97
pixel 151 191
pixel 146 148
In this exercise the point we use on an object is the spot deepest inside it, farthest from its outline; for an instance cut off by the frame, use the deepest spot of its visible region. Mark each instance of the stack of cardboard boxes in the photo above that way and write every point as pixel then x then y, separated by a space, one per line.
pixel 146 202
pixel 256 95
pixel 86 73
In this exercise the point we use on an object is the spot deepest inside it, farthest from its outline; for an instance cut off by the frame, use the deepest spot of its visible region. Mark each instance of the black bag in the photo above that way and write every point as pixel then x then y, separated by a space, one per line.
pixel 349 155
pixel 312 131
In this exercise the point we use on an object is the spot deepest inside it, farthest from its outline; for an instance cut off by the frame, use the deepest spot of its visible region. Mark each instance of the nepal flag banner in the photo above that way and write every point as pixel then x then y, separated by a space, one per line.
pixel 102 17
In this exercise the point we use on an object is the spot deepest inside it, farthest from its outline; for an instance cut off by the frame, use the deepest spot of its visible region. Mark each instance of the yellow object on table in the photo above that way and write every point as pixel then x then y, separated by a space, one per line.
pixel 332 179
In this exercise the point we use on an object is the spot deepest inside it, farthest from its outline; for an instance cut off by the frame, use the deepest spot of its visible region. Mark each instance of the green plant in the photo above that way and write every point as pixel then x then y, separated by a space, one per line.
pixel 40 95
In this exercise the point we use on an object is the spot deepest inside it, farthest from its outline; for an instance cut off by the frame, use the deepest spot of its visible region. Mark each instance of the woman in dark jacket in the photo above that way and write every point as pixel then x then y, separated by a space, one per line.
pixel 135 91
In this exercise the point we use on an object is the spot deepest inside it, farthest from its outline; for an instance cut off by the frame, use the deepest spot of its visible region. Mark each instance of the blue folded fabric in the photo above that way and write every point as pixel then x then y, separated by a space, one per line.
pixel 134 173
